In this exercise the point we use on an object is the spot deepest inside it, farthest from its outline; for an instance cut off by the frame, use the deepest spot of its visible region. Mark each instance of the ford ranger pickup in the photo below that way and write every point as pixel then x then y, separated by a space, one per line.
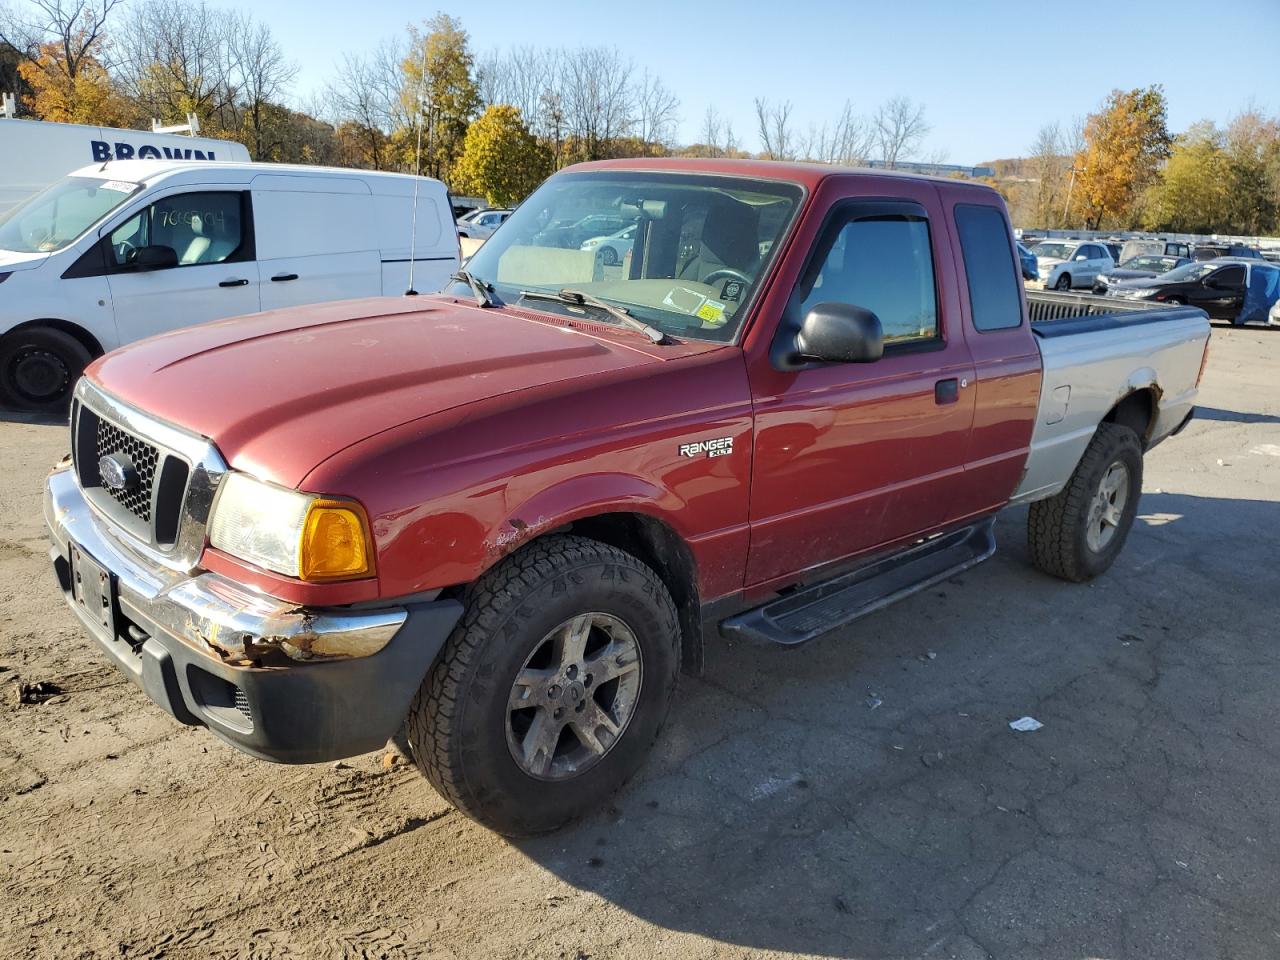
pixel 501 519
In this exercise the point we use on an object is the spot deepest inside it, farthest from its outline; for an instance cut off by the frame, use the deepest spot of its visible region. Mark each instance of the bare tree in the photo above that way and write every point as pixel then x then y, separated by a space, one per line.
pixel 849 140
pixel 599 102
pixel 76 26
pixel 260 74
pixel 173 58
pixel 365 97
pixel 900 128
pixel 773 123
pixel 656 111
pixel 1049 163
pixel 711 131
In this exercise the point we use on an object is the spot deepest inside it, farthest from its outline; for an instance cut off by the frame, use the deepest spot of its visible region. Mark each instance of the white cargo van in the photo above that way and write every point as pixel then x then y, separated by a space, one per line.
pixel 124 250
pixel 37 152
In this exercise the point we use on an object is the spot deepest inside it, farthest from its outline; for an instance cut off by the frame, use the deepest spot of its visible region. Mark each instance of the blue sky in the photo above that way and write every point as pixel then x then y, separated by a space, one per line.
pixel 990 73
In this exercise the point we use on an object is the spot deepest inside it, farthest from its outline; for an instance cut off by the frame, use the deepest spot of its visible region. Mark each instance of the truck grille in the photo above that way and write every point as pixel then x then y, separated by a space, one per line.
pixel 151 510
pixel 111 439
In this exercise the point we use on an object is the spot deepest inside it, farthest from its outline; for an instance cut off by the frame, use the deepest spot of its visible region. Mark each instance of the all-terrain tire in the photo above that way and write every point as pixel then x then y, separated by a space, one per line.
pixel 458 722
pixel 39 367
pixel 1057 528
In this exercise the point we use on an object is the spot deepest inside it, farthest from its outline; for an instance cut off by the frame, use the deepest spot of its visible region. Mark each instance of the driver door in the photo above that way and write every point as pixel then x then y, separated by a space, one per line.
pixel 1222 293
pixel 216 274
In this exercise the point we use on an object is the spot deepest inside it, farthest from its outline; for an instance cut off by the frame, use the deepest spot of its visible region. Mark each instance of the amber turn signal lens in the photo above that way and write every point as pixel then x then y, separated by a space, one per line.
pixel 335 542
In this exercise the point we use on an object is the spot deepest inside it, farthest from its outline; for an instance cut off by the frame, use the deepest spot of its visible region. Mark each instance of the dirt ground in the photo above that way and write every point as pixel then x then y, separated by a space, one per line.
pixel 860 797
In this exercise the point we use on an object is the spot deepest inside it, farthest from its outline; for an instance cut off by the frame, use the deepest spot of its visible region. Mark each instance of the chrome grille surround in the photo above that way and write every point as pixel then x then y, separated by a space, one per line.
pixel 170 531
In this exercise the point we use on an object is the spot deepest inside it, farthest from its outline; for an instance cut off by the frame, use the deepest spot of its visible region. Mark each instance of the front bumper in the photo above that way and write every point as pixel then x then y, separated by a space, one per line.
pixel 199 647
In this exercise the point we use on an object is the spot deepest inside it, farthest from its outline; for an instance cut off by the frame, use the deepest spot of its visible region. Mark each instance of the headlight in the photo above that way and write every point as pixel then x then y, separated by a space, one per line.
pixel 1144 292
pixel 587 245
pixel 298 534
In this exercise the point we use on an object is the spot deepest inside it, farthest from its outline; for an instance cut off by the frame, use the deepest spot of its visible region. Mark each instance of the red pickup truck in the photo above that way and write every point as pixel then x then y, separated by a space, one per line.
pixel 501 517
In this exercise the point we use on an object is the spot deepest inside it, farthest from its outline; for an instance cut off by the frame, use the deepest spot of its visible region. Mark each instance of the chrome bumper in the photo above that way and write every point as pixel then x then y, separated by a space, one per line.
pixel 207 610
pixel 210 653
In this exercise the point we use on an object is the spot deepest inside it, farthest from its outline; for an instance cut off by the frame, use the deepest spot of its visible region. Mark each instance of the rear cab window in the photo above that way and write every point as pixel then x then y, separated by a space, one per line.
pixel 990 272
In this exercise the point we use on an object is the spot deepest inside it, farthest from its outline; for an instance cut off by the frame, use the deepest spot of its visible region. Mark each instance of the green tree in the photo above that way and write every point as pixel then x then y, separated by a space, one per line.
pixel 501 160
pixel 1124 145
pixel 440 95
pixel 1192 195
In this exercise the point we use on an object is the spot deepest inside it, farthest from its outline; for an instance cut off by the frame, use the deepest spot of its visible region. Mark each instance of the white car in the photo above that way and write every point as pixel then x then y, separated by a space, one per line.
pixel 1273 318
pixel 614 247
pixel 480 224
pixel 1071 264
pixel 120 251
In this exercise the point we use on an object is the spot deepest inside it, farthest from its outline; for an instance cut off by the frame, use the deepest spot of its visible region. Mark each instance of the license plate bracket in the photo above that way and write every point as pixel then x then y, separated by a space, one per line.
pixel 93 587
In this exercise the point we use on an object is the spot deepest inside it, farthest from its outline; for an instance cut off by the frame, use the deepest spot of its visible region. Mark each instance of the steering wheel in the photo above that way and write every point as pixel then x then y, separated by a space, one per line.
pixel 725 273
pixel 123 249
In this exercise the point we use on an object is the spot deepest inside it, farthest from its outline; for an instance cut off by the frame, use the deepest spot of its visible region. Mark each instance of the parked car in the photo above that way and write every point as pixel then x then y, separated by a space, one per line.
pixel 498 517
pixel 1212 251
pixel 1140 267
pixel 1027 259
pixel 1217 287
pixel 1273 315
pixel 613 248
pixel 1154 247
pixel 480 224
pixel 122 251
pixel 572 232
pixel 1068 264
pixel 38 153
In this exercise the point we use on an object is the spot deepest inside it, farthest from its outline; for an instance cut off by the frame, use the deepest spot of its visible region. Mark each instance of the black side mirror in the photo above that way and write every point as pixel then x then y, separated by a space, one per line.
pixel 154 257
pixel 840 333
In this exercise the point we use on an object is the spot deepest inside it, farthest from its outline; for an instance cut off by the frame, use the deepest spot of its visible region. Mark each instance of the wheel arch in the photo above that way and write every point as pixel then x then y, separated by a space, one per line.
pixel 1137 409
pixel 85 338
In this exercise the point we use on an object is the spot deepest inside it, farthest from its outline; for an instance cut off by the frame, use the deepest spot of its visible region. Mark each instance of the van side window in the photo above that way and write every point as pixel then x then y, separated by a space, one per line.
pixel 988 267
pixel 884 264
pixel 200 228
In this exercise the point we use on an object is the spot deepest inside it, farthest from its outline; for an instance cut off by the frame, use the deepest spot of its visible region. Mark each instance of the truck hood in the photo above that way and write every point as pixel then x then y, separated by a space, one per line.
pixel 280 392
pixel 13 260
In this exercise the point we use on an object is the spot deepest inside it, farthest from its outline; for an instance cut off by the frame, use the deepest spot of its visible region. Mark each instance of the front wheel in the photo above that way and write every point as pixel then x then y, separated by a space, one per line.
pixel 39 367
pixel 1077 534
pixel 1064 282
pixel 550 691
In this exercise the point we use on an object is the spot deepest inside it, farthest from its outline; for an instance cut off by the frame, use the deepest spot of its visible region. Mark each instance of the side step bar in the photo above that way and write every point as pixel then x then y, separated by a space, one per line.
pixel 814 610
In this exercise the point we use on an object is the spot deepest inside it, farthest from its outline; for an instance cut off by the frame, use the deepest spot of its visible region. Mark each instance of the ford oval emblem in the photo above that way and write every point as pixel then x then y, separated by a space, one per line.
pixel 117 472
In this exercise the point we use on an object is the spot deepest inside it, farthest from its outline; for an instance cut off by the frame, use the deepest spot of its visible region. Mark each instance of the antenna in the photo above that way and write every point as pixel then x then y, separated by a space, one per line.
pixel 417 170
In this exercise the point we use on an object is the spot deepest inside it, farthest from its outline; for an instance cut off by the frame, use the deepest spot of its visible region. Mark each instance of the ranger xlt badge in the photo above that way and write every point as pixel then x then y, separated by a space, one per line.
pixel 719 447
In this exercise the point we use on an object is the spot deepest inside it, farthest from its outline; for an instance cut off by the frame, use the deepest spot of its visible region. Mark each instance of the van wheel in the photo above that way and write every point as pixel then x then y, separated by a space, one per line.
pixel 551 689
pixel 39 367
pixel 1077 534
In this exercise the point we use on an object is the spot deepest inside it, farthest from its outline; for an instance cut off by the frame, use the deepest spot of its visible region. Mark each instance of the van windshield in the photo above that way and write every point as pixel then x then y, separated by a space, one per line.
pixel 682 252
pixel 60 213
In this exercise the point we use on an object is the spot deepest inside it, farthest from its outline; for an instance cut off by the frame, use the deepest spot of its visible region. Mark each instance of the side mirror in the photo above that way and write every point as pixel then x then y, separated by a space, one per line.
pixel 840 333
pixel 154 258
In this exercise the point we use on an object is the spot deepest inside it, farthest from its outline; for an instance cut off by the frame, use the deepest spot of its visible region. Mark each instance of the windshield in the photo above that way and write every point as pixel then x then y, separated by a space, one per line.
pixel 1056 251
pixel 682 252
pixel 60 213
pixel 1191 271
pixel 1158 264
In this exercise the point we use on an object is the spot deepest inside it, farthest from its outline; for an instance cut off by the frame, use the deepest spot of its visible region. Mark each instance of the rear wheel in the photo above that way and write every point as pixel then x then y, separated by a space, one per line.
pixel 1077 534
pixel 549 693
pixel 39 367
pixel 1063 283
pixel 608 256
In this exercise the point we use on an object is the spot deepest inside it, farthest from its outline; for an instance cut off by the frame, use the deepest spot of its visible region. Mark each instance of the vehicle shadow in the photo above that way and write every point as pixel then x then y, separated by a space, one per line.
pixel 10 415
pixel 1234 416
pixel 864 796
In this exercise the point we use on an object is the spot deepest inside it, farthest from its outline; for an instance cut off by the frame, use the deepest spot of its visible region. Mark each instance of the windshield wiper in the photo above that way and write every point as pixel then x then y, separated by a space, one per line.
pixel 481 291
pixel 579 299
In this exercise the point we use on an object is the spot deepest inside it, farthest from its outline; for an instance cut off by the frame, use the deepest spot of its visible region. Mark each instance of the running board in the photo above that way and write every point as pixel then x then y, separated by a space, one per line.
pixel 814 610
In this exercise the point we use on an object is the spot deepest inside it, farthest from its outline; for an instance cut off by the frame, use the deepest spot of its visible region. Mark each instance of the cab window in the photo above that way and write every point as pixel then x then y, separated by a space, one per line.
pixel 200 228
pixel 883 264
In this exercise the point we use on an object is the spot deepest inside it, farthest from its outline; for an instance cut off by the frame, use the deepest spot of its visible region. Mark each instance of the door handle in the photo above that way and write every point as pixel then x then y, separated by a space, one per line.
pixel 282 277
pixel 234 283
pixel 946 391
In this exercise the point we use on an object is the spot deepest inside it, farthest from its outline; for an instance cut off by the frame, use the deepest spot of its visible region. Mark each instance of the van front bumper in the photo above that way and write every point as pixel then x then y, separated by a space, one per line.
pixel 212 653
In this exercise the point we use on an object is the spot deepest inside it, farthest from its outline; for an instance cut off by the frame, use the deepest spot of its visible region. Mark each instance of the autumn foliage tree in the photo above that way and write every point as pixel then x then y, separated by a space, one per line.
pixel 66 94
pixel 501 160
pixel 1124 145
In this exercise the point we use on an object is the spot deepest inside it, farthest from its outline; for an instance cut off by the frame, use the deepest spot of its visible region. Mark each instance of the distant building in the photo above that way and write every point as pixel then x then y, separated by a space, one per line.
pixel 936 169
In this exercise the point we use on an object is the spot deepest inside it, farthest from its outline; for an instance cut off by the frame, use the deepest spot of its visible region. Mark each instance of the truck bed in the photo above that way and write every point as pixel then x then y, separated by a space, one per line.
pixel 1096 351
